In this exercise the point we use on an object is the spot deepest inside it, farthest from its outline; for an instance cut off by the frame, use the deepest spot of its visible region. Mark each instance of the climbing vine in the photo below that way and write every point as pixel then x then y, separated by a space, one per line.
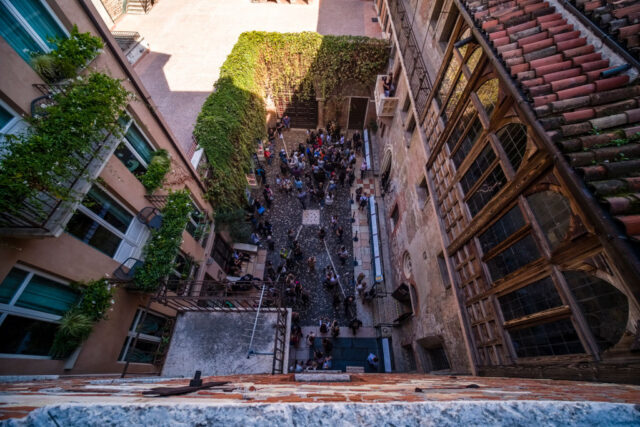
pixel 162 248
pixel 270 64
pixel 158 168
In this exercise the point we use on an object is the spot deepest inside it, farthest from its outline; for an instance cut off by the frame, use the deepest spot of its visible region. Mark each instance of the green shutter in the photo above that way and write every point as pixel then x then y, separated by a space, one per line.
pixel 10 284
pixel 45 295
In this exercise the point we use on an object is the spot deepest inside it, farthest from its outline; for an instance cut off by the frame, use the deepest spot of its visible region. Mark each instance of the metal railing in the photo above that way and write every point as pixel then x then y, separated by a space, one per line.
pixel 419 80
pixel 126 39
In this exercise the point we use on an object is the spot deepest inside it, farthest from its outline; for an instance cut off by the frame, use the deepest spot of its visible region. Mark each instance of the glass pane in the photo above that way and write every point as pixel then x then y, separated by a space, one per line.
pixel 108 209
pixel 92 233
pixel 605 308
pixel 513 138
pixel 5 117
pixel 45 295
pixel 138 143
pixel 39 19
pixel 553 213
pixel 143 352
pixel 549 339
pixel 473 60
pixel 508 224
pixel 21 335
pixel 489 188
pixel 10 284
pixel 195 217
pixel 465 34
pixel 468 142
pixel 488 94
pixel 455 97
pixel 515 256
pixel 533 298
pixel 129 160
pixel 477 168
pixel 153 325
pixel 460 127
pixel 16 36
pixel 447 80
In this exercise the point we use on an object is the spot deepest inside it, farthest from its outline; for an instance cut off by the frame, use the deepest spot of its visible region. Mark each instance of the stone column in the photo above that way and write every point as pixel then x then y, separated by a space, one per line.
pixel 320 112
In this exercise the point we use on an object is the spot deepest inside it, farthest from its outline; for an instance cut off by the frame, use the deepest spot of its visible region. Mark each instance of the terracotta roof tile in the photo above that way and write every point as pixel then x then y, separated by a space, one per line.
pixel 594 120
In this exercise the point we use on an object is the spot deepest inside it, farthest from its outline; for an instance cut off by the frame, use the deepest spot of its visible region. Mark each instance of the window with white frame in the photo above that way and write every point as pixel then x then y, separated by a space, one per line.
pixel 197 225
pixel 106 225
pixel 31 305
pixel 151 331
pixel 10 124
pixel 29 26
pixel 135 150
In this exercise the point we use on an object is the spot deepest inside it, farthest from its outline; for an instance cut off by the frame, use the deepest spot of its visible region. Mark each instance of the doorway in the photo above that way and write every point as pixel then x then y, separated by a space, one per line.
pixel 357 112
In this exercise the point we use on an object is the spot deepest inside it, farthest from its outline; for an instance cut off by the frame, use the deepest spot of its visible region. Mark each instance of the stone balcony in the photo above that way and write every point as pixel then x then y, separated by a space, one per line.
pixel 385 105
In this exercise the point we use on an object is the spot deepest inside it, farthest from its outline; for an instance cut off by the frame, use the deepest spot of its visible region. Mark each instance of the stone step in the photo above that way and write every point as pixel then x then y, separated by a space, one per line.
pixel 323 376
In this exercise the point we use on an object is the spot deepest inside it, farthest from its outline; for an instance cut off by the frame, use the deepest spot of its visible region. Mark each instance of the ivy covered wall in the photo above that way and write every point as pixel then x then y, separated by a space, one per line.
pixel 268 64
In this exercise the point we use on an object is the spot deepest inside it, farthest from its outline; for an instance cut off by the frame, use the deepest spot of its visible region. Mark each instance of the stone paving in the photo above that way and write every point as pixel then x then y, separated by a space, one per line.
pixel 286 214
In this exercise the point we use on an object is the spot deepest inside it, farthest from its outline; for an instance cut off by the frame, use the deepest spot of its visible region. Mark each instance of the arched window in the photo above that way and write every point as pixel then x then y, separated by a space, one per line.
pixel 513 138
pixel 488 94
pixel 474 58
pixel 465 34
pixel 605 308
pixel 553 213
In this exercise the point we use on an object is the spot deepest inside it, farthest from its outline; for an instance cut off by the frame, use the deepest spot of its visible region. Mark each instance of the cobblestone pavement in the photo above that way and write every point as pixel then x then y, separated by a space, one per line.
pixel 286 213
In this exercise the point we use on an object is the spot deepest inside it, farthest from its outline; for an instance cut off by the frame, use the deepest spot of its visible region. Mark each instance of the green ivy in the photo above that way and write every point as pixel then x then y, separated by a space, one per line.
pixel 68 57
pixel 76 324
pixel 60 140
pixel 158 167
pixel 161 251
pixel 262 64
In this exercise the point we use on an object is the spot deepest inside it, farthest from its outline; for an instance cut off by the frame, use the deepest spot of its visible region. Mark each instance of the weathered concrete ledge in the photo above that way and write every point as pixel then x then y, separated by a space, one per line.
pixel 465 413
pixel 326 377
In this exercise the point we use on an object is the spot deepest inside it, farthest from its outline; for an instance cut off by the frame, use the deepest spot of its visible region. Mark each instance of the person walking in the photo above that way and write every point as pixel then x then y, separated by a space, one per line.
pixel 363 169
pixel 321 233
pixel 340 233
pixel 311 263
pixel 343 254
pixel 302 196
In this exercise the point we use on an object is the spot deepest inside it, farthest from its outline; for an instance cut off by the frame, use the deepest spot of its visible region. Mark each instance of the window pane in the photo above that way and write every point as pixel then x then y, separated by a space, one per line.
pixel 143 352
pixel 467 142
pixel 460 127
pixel 515 256
pixel 16 36
pixel 5 117
pixel 605 308
pixel 129 160
pixel 10 284
pixel 455 97
pixel 489 188
pixel 108 209
pixel 152 325
pixel 508 224
pixel 195 217
pixel 533 298
pixel 488 94
pixel 473 60
pixel 513 138
pixel 447 80
pixel 21 335
pixel 477 168
pixel 549 339
pixel 45 295
pixel 92 233
pixel 553 213
pixel 39 19
pixel 138 143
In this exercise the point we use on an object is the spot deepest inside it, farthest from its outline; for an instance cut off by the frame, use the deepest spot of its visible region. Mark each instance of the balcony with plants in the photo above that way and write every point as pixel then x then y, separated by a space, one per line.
pixel 47 169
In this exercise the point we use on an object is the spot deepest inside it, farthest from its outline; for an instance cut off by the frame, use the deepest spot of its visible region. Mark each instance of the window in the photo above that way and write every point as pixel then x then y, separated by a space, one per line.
pixel 407 103
pixel 10 124
pixel 485 192
pixel 447 28
pixel 504 227
pixel 482 163
pixel 221 252
pixel 31 304
pixel 151 331
pixel 134 150
pixel 197 222
pixel 422 192
pixel 435 15
pixel 511 259
pixel 553 213
pixel 395 217
pixel 549 339
pixel 473 60
pixel 488 95
pixel 104 224
pixel 604 307
pixel 513 138
pixel 442 265
pixel 27 26
pixel 434 358
pixel 455 97
pixel 183 267
pixel 533 298
pixel 447 80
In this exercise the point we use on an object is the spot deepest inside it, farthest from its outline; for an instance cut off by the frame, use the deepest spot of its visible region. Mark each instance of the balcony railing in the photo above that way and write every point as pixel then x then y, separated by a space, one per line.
pixel 419 79
pixel 44 214
pixel 385 105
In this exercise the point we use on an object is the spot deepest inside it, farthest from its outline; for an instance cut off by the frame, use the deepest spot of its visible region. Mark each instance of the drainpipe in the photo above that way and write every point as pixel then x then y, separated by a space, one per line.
pixel 137 84
pixel 610 237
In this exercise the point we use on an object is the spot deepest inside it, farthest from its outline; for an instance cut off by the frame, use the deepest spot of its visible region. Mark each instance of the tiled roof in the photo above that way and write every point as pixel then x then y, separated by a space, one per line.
pixel 619 18
pixel 593 117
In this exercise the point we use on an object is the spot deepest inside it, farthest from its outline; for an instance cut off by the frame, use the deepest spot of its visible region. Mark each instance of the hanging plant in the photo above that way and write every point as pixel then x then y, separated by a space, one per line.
pixel 261 63
pixel 159 166
pixel 161 250
pixel 59 142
